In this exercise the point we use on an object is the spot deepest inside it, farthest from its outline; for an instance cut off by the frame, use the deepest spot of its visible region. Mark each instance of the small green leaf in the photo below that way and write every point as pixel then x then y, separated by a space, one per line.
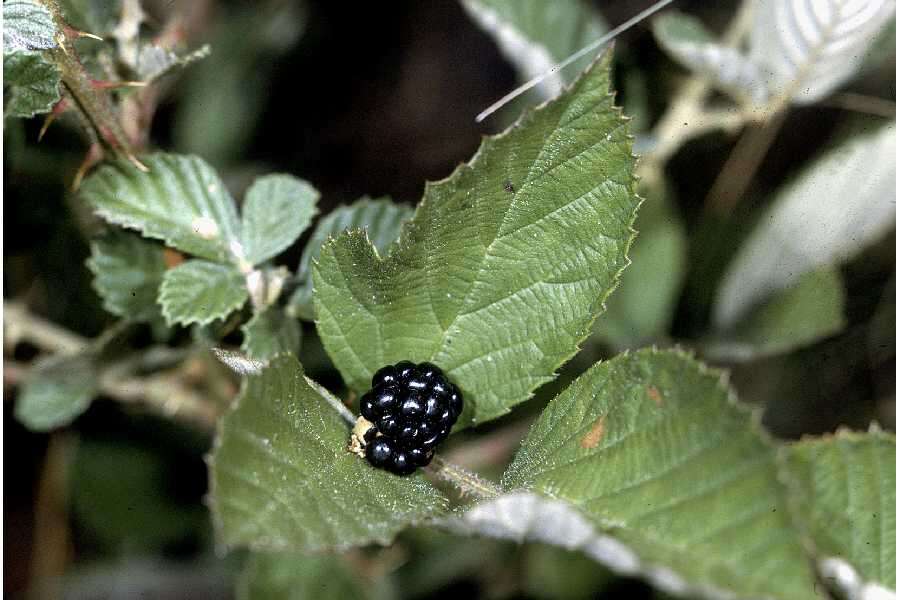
pixel 27 25
pixel 382 220
pixel 57 391
pixel 830 212
pixel 155 61
pixel 180 200
pixel 843 494
pixel 128 271
pixel 647 464
pixel 535 34
pixel 642 306
pixel 290 575
pixel 687 41
pixel 30 84
pixel 269 333
pixel 94 16
pixel 282 478
pixel 198 291
pixel 505 265
pixel 810 310
pixel 277 209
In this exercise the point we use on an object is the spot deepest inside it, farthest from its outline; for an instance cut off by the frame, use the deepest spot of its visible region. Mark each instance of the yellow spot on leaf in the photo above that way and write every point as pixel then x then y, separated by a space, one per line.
pixel 593 437
pixel 654 395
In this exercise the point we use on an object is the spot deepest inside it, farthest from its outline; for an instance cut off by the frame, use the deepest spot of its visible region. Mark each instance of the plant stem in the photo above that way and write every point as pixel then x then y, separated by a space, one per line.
pixel 465 481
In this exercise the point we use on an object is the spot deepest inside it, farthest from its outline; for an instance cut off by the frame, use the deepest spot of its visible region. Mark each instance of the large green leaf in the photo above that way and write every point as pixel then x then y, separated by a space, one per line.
pixel 843 494
pixel 128 271
pixel 271 332
pixel 30 84
pixel 199 291
pixel 505 265
pixel 180 200
pixel 57 390
pixel 808 311
pixel 382 220
pixel 535 34
pixel 647 464
pixel 842 202
pixel 27 25
pixel 282 478
pixel 276 210
pixel 292 575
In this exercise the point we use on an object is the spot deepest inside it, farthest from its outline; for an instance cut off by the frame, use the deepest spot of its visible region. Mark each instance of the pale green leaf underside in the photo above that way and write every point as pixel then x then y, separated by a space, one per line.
pixel 181 201
pixel 505 265
pixel 810 310
pixel 293 575
pixel 56 392
pixel 30 84
pixel 128 271
pixel 276 210
pixel 27 25
pixel 843 493
pixel 199 291
pixel 382 220
pixel 650 449
pixel 282 478
pixel 536 34
pixel 269 333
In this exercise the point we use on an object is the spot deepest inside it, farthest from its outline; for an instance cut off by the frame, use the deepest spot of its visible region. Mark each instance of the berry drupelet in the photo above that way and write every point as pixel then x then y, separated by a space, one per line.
pixel 407 413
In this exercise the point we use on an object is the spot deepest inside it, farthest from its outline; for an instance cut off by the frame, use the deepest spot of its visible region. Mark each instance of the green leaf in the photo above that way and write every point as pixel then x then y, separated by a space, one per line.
pixel 198 291
pixel 128 271
pixel 553 573
pixel 648 465
pixel 155 61
pixel 30 84
pixel 27 25
pixel 94 16
pixel 843 495
pixel 269 333
pixel 838 205
pixel 687 41
pixel 57 391
pixel 641 309
pixel 293 575
pixel 810 310
pixel 282 478
pixel 180 200
pixel 535 34
pixel 276 210
pixel 505 265
pixel 382 220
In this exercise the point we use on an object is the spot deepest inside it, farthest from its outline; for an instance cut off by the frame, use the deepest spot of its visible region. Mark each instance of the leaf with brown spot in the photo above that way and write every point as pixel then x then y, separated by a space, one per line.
pixel 653 394
pixel 593 437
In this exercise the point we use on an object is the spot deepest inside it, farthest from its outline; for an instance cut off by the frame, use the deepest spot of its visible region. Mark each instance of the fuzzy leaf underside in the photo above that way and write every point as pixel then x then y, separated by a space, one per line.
pixel 128 271
pixel 282 478
pixel 27 25
pixel 843 493
pixel 830 212
pixel 382 220
pixel 276 210
pixel 505 265
pixel 199 291
pixel 647 464
pixel 30 84
pixel 181 200
pixel 269 333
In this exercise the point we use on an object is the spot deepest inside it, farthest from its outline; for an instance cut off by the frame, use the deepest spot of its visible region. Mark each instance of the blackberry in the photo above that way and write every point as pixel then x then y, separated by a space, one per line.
pixel 410 409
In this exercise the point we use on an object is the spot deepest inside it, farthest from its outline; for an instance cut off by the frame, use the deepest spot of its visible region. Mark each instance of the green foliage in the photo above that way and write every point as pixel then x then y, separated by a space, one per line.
pixel 843 495
pixel 128 271
pixel 647 464
pixel 271 332
pixel 30 84
pixel 200 291
pixel 291 575
pixel 282 479
pixel 57 390
pixel 505 265
pixel 276 210
pixel 554 573
pixel 382 220
pixel 808 311
pixel 27 25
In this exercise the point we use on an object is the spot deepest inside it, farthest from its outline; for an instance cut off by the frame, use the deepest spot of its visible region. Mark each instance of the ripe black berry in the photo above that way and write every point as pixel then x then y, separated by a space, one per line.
pixel 409 411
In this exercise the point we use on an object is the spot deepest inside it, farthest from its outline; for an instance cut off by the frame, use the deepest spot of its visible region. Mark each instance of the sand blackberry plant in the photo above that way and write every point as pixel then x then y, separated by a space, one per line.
pixel 496 365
